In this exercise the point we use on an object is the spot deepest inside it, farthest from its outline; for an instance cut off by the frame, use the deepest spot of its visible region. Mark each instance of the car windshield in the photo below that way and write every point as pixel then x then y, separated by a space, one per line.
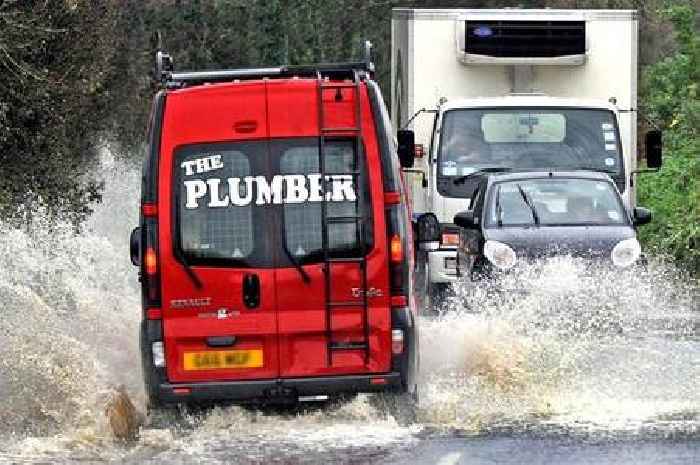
pixel 555 202
pixel 528 138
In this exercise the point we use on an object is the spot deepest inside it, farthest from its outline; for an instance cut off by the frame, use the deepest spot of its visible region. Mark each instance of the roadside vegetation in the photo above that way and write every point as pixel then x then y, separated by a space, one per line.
pixel 77 77
pixel 671 99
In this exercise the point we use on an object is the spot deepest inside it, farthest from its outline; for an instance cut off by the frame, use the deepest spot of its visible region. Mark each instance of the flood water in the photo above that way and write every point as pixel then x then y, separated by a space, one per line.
pixel 562 364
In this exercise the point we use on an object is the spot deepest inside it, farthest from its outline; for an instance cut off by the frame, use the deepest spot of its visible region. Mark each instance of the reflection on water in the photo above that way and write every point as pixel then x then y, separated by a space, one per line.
pixel 559 350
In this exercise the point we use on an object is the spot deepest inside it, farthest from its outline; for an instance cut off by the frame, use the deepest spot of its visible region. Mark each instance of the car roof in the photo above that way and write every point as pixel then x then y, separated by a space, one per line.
pixel 521 175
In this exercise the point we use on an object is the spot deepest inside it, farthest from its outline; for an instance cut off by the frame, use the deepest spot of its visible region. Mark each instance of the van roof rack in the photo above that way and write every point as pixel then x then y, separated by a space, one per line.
pixel 171 79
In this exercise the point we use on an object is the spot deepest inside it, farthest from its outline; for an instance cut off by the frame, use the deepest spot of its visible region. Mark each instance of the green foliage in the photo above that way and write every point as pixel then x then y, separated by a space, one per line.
pixel 77 74
pixel 53 102
pixel 671 98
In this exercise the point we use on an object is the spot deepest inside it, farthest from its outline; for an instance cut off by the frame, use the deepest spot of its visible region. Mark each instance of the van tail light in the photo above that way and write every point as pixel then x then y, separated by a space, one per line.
pixel 396 249
pixel 398 236
pixel 150 262
pixel 154 314
pixel 150 268
pixel 397 338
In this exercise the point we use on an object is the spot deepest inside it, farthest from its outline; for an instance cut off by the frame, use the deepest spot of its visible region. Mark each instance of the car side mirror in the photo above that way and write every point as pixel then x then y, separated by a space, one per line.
pixel 641 215
pixel 135 246
pixel 428 232
pixel 407 147
pixel 653 146
pixel 466 219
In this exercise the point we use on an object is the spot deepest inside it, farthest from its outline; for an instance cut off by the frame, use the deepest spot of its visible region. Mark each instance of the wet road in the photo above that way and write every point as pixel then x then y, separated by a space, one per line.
pixel 564 367
pixel 517 451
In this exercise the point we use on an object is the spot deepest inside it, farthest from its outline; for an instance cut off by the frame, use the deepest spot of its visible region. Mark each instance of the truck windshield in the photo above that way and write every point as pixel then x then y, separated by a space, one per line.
pixel 555 202
pixel 528 139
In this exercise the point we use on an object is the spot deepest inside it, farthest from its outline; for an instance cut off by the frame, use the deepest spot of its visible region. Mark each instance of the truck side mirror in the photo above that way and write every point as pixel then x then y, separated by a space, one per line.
pixel 641 215
pixel 135 246
pixel 407 147
pixel 653 144
pixel 465 219
pixel 428 232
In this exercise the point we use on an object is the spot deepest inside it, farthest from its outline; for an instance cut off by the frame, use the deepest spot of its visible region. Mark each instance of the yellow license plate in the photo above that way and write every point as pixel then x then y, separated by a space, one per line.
pixel 212 360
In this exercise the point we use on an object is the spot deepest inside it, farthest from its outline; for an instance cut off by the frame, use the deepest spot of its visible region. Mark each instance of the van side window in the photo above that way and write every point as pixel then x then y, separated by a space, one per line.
pixel 349 197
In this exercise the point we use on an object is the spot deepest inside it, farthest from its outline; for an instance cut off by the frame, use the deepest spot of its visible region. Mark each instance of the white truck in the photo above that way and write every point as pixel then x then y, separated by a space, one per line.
pixel 511 89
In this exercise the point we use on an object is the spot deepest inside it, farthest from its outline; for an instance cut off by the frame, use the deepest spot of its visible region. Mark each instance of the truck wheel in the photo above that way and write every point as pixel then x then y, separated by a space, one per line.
pixel 432 295
pixel 435 297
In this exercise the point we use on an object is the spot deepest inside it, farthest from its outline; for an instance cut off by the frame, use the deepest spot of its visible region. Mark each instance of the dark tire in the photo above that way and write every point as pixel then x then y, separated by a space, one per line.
pixel 163 416
pixel 436 297
pixel 402 406
pixel 432 295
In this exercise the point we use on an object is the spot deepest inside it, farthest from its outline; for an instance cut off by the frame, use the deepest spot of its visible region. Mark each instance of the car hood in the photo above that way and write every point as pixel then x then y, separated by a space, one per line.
pixel 542 241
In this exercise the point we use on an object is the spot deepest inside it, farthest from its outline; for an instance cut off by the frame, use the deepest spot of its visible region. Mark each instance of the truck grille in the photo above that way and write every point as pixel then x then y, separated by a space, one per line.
pixel 526 39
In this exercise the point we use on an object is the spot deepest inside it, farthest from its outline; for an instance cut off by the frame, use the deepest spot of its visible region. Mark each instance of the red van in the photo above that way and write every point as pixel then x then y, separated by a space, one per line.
pixel 274 246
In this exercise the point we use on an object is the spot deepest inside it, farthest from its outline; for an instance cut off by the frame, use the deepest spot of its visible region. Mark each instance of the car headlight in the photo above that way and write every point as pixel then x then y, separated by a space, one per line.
pixel 626 252
pixel 500 254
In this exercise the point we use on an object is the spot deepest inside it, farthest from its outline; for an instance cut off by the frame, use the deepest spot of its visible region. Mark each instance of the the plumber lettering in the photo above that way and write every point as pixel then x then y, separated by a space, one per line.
pixel 287 188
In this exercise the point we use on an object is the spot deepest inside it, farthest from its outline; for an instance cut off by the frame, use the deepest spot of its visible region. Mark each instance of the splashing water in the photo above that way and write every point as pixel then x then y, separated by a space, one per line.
pixel 570 346
pixel 71 309
pixel 559 348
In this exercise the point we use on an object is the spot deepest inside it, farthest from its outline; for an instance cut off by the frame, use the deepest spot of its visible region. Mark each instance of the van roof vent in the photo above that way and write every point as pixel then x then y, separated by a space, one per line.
pixel 525 39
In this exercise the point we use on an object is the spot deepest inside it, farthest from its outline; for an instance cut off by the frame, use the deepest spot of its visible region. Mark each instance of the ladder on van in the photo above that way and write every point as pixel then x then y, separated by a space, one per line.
pixel 358 219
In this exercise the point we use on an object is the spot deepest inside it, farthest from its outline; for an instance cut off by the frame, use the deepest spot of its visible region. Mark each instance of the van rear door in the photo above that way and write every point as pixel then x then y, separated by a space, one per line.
pixel 218 284
pixel 322 308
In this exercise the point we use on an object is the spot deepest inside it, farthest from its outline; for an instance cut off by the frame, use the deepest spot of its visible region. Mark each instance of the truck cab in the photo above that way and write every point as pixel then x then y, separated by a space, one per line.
pixel 513 89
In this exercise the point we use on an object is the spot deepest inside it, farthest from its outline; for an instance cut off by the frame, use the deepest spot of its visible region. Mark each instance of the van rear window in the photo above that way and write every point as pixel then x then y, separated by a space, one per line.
pixel 218 219
pixel 241 204
pixel 302 221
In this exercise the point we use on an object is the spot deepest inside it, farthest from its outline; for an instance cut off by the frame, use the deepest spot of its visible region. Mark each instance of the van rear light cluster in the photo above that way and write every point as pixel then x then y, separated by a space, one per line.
pixel 396 249
pixel 150 267
pixel 397 234
pixel 150 262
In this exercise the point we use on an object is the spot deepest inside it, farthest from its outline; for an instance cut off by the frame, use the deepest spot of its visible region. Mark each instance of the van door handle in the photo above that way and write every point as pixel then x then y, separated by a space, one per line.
pixel 251 290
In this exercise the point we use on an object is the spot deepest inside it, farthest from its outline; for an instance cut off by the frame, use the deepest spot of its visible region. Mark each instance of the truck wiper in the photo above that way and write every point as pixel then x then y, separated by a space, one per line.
pixel 493 169
pixel 529 203
pixel 304 275
pixel 499 210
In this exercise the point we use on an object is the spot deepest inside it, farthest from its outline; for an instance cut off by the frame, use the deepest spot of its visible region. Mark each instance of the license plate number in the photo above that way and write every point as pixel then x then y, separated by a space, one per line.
pixel 213 360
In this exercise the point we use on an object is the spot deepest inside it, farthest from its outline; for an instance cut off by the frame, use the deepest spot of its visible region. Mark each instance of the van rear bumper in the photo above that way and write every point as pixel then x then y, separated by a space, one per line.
pixel 277 389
